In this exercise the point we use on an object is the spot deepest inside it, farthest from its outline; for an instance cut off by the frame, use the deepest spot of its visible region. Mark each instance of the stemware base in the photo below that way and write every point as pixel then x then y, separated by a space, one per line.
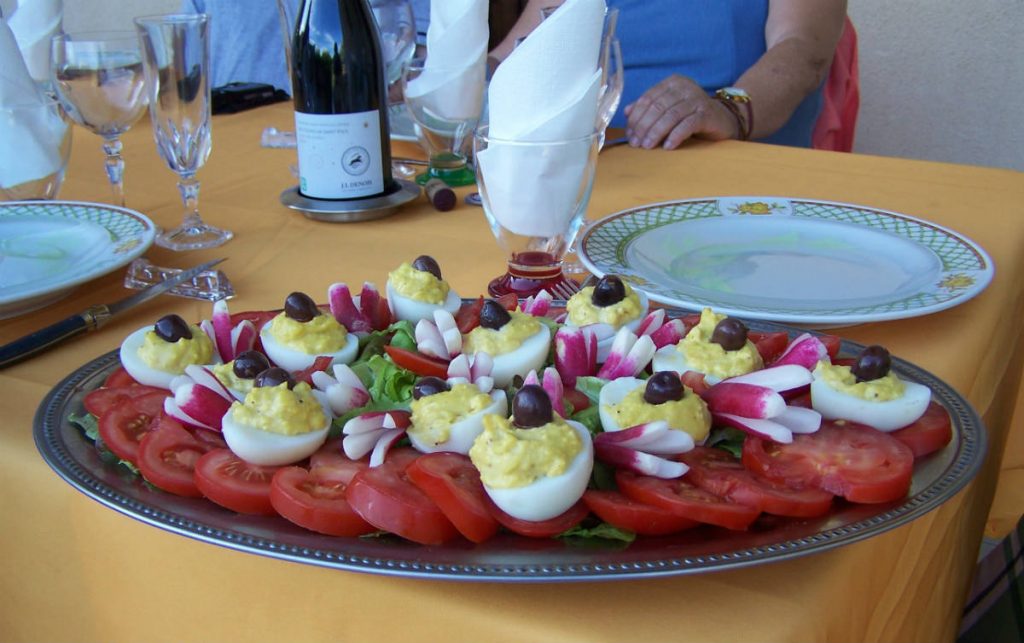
pixel 452 176
pixel 193 235
pixel 531 272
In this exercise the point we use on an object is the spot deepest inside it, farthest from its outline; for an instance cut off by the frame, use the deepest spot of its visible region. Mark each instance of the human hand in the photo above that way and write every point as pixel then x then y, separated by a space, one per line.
pixel 674 110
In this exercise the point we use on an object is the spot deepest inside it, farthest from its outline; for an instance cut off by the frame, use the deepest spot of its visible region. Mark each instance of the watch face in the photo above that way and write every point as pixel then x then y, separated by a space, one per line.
pixel 734 94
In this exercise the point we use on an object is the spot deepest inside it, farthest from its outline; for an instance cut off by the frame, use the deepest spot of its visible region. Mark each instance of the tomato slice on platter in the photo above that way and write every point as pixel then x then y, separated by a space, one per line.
pixel 928 433
pixel 578 399
pixel 120 377
pixel 467 317
pixel 315 500
pixel 168 455
pixel 685 499
pixel 235 484
pixel 385 498
pixel 848 459
pixel 99 401
pixel 321 363
pixel 623 512
pixel 549 528
pixel 695 382
pixel 122 426
pixel 453 483
pixel 508 301
pixel 418 363
pixel 330 462
pixel 769 344
pixel 720 473
pixel 832 344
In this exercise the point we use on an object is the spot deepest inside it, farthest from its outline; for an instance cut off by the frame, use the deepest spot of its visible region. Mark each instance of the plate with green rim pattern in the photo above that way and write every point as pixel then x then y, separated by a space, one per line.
pixel 787 260
pixel 49 247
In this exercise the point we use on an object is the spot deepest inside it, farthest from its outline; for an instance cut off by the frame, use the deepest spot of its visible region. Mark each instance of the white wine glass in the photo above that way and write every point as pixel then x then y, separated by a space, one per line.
pixel 396 27
pixel 99 79
pixel 176 58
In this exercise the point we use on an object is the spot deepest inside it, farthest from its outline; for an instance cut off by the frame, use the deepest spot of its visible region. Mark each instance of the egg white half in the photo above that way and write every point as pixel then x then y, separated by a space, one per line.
pixel 548 497
pixel 529 356
pixel 670 358
pixel 140 371
pixel 406 308
pixel 604 344
pixel 270 449
pixel 887 415
pixel 293 360
pixel 462 432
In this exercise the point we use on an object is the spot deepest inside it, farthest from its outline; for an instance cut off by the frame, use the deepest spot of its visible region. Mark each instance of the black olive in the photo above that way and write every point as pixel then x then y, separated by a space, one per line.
pixel 663 386
pixel 531 407
pixel 873 363
pixel 609 291
pixel 493 315
pixel 428 386
pixel 274 376
pixel 249 364
pixel 171 328
pixel 426 263
pixel 730 334
pixel 300 307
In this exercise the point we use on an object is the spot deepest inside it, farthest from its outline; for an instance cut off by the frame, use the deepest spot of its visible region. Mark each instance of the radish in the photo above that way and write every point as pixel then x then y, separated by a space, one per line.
pixel 746 400
pixel 376 431
pixel 670 334
pixel 778 378
pixel 575 353
pixel 757 427
pixel 628 357
pixel 652 437
pixel 806 350
pixel 538 305
pixel 343 307
pixel 652 322
pixel 638 461
pixel 343 392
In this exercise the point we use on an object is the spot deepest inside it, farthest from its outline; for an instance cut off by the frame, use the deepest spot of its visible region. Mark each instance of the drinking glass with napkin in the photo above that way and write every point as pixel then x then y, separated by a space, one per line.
pixel 34 23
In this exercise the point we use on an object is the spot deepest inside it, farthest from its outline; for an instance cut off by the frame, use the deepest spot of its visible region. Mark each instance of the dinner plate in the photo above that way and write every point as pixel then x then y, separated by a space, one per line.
pixel 506 558
pixel 49 247
pixel 787 260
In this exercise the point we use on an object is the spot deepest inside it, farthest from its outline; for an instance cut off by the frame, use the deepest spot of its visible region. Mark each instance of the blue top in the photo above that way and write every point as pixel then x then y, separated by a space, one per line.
pixel 710 41
pixel 247 41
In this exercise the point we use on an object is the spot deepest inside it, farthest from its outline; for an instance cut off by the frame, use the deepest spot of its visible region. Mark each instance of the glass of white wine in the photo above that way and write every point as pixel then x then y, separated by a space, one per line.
pixel 99 80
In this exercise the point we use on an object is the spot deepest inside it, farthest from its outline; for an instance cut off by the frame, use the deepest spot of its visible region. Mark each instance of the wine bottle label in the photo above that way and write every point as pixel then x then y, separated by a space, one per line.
pixel 339 155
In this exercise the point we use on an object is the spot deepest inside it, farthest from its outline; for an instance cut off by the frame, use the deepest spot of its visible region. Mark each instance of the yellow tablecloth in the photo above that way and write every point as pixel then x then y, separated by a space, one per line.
pixel 73 570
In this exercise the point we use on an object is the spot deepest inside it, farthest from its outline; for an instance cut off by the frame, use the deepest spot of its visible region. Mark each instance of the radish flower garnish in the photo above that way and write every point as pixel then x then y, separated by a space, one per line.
pixel 652 322
pixel 669 334
pixel 199 399
pixel 474 369
pixel 229 339
pixel 343 392
pixel 575 353
pixel 752 403
pixel 628 356
pixel 440 338
pixel 641 449
pixel 551 382
pixel 371 313
pixel 374 433
pixel 537 305
pixel 806 350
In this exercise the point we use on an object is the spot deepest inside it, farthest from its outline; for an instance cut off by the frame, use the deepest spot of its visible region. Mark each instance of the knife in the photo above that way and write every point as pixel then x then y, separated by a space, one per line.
pixel 90 319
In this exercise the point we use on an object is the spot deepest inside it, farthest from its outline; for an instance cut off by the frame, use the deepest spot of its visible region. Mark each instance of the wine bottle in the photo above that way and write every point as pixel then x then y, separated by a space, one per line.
pixel 341 105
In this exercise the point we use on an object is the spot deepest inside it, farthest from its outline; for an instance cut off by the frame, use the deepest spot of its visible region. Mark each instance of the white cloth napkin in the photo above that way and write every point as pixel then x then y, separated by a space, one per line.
pixel 34 22
pixel 452 83
pixel 30 132
pixel 546 90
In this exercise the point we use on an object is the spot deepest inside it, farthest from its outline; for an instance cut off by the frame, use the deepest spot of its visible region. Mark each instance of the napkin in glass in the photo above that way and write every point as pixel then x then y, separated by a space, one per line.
pixel 546 90
pixel 451 85
pixel 34 23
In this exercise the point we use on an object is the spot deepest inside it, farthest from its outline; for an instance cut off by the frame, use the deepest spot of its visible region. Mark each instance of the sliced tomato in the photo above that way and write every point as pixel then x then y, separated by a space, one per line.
pixel 231 482
pixel 845 458
pixel 928 433
pixel 685 499
pixel 209 440
pixel 832 344
pixel 418 363
pixel 321 363
pixel 122 426
pixel 315 500
pixel 508 301
pixel 623 512
pixel 541 528
pixel 330 461
pixel 168 455
pixel 578 399
pixel 98 401
pixel 120 377
pixel 386 499
pixel 720 473
pixel 453 483
pixel 769 344
pixel 695 382
pixel 468 316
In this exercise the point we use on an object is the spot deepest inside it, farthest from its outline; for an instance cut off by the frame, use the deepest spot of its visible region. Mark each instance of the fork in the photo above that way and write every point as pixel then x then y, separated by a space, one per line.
pixel 564 289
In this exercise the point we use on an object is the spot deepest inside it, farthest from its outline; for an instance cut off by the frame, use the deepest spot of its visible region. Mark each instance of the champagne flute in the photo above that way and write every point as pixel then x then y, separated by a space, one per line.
pixel 176 58
pixel 99 80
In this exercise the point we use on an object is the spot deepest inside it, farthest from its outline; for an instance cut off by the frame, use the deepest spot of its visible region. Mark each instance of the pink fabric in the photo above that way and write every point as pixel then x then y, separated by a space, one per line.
pixel 837 122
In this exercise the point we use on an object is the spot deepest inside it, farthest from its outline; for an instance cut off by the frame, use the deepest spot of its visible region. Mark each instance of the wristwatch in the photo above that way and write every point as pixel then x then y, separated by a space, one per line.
pixel 734 99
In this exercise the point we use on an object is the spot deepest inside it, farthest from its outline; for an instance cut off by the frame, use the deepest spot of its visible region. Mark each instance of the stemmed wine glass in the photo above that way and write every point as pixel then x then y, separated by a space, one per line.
pixel 99 80
pixel 176 58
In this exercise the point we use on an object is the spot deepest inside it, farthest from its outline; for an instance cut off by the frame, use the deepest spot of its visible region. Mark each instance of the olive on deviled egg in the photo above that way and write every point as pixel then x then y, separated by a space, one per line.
pixel 718 347
pixel 294 338
pixel 611 302
pixel 449 417
pixel 239 375
pixel 155 355
pixel 628 401
pixel 415 290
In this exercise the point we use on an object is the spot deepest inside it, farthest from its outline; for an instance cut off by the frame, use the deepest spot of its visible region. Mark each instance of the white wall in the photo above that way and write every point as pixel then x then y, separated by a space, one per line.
pixel 940 80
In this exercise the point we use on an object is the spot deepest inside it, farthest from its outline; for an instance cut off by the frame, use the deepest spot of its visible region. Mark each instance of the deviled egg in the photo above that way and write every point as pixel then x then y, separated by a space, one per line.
pixel 517 342
pixel 155 355
pixel 239 375
pixel 535 465
pixel 612 303
pixel 415 290
pixel 628 401
pixel 449 418
pixel 717 347
pixel 279 422
pixel 302 332
pixel 868 392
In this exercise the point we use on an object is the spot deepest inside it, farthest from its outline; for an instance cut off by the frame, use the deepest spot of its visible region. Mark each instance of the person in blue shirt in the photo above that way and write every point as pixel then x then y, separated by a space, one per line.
pixel 677 54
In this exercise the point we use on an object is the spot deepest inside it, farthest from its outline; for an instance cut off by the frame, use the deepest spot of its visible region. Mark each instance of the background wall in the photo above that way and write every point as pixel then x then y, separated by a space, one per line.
pixel 941 80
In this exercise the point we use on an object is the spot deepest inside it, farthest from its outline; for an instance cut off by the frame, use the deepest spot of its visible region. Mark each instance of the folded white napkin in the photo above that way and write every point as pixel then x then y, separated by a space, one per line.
pixel 34 22
pixel 31 130
pixel 546 90
pixel 452 83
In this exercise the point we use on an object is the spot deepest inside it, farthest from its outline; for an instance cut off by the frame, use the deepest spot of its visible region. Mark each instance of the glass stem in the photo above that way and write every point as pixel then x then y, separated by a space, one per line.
pixel 189 188
pixel 115 168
